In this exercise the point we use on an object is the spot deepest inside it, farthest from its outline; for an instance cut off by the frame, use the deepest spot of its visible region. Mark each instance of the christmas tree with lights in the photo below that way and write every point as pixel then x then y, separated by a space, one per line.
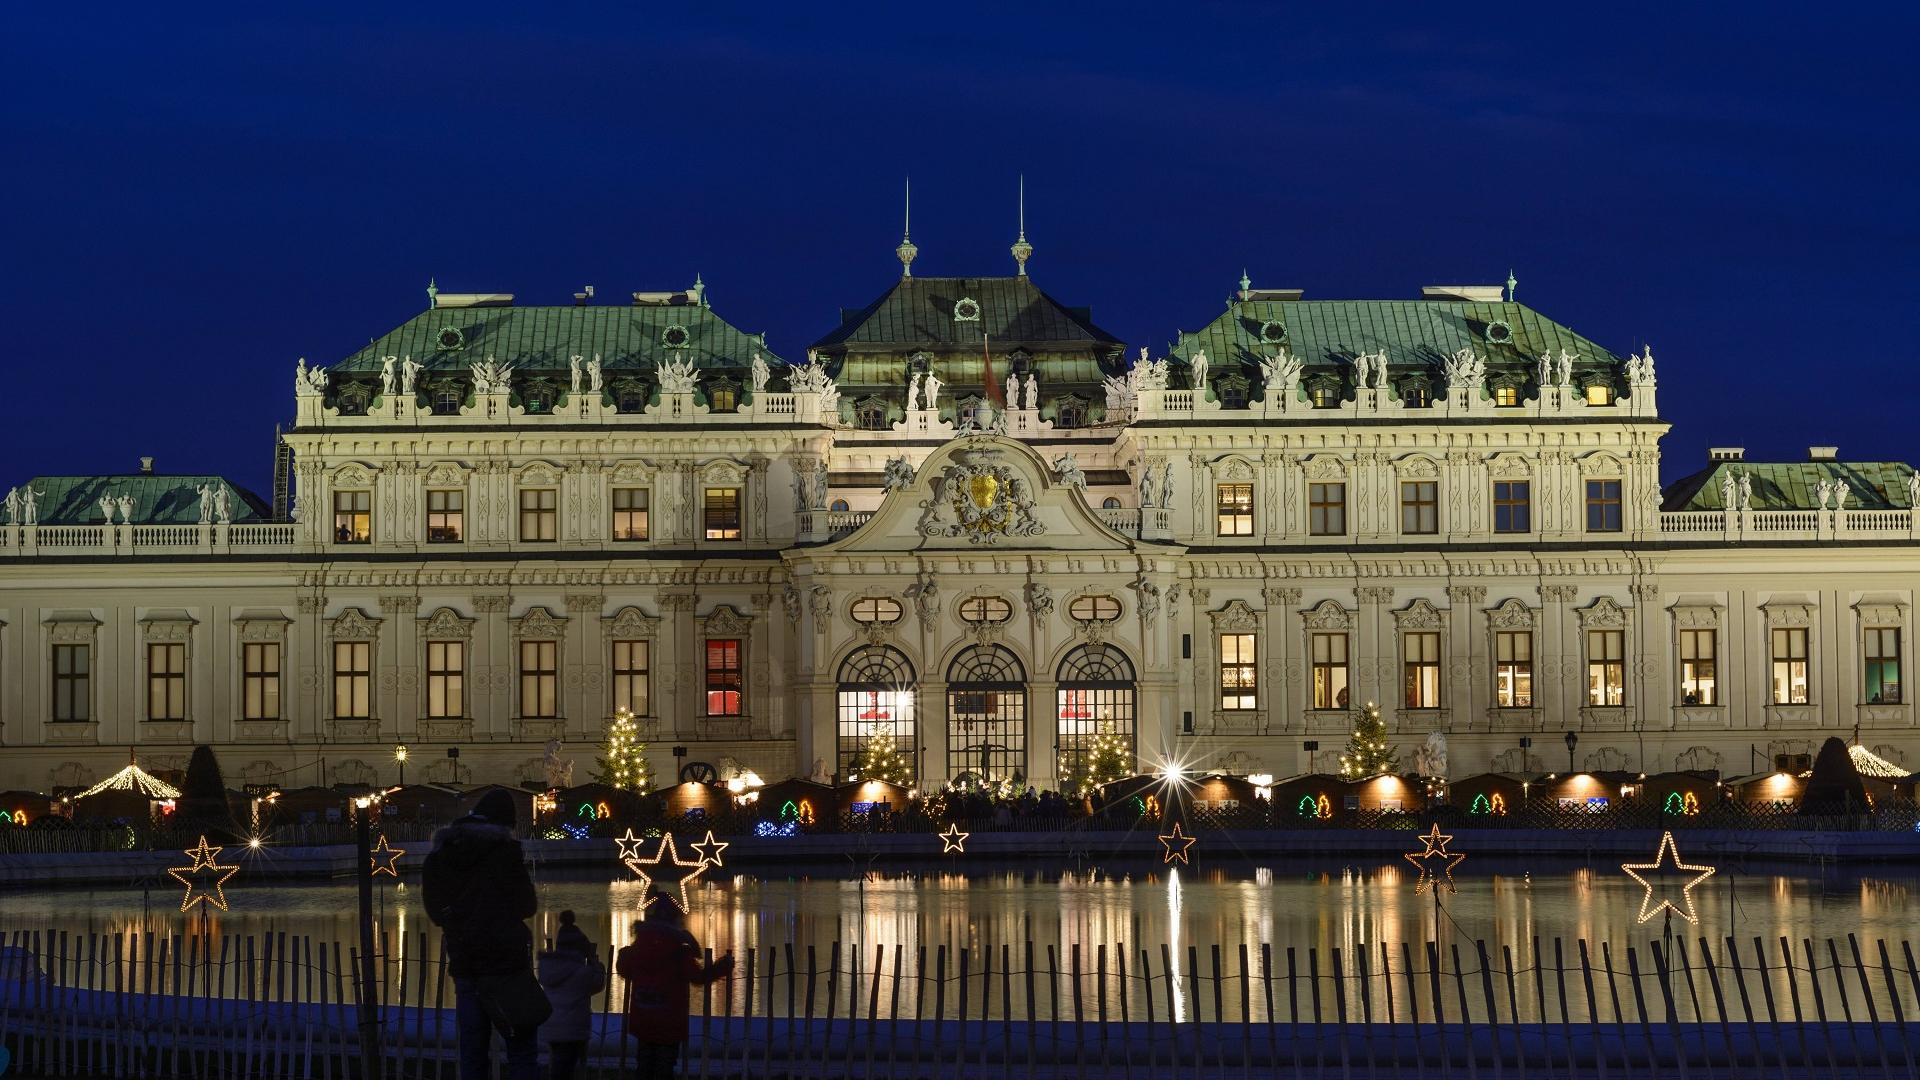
pixel 1108 758
pixel 880 759
pixel 1368 752
pixel 623 764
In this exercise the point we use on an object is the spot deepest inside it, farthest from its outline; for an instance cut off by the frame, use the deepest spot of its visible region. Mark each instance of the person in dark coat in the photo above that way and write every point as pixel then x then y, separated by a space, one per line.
pixel 660 967
pixel 571 974
pixel 479 895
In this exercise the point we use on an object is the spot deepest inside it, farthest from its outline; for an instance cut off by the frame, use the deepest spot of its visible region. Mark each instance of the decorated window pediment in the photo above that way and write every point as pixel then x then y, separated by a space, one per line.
pixel 1419 615
pixel 1789 611
pixel 1881 611
pixel 539 623
pixel 632 472
pixel 1511 614
pixel 1417 467
pixel 446 624
pixel 353 475
pixel 631 623
pixel 1232 390
pixel 1601 463
pixel 354 624
pixel 1693 613
pixel 446 474
pixel 723 471
pixel 1237 617
pixel 261 626
pixel 1020 361
pixel 871 412
pixel 1509 465
pixel 352 398
pixel 1324 467
pixel 630 394
pixel 540 474
pixel 1070 411
pixel 1327 615
pixel 1603 614
pixel 725 621
pixel 71 627
pixel 538 394
pixel 1233 469
pixel 167 626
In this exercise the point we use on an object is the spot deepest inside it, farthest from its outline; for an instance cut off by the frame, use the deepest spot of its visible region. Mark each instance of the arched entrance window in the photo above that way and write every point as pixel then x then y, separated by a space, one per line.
pixel 1096 698
pixel 987 716
pixel 876 685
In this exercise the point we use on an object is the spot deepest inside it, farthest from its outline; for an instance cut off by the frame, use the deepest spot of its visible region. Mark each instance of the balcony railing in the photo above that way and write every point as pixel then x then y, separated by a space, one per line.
pixel 1791 524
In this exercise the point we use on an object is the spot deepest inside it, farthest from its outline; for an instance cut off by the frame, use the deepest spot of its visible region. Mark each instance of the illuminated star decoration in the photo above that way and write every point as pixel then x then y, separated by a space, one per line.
pixel 1431 875
pixel 629 845
pixel 386 859
pixel 1648 906
pixel 954 840
pixel 669 855
pixel 1177 845
pixel 204 861
pixel 710 849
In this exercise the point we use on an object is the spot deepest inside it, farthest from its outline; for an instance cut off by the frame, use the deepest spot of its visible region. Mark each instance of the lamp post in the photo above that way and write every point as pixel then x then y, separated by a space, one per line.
pixel 400 756
pixel 1573 740
pixel 679 756
pixel 1526 743
pixel 369 1016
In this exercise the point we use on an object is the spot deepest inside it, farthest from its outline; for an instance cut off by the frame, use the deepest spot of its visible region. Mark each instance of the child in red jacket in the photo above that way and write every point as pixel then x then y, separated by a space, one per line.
pixel 660 967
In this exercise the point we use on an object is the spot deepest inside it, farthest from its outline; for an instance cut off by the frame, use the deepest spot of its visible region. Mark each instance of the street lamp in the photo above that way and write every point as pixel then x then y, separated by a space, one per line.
pixel 1572 741
pixel 400 756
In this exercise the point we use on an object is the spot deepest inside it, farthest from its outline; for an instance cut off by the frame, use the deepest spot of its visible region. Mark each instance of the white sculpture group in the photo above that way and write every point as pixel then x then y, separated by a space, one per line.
pixel 578 366
pixel 1736 491
pixel 214 504
pixel 811 378
pixel 1370 370
pixel 1640 367
pixel 23 506
pixel 927 383
pixel 1836 489
pixel 491 377
pixel 309 381
pixel 898 474
pixel 1281 373
pixel 1067 472
pixel 110 505
pixel 1014 385
pixel 1554 372
pixel 1465 368
pixel 677 376
pixel 1156 491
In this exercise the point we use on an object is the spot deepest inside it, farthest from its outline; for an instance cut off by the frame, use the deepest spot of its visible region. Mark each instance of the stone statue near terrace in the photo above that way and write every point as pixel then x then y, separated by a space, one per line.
pixel 205 492
pixel 932 386
pixel 30 506
pixel 1566 368
pixel 760 373
pixel 1281 372
pixel 1913 488
pixel 913 391
pixel 126 509
pixel 1431 759
pixel 677 376
pixel 559 771
pixel 1067 472
pixel 1033 391
pixel 1841 490
pixel 1746 490
pixel 222 507
pixel 1013 390
pixel 1823 491
pixel 13 507
pixel 409 374
pixel 1729 491
pixel 898 474
pixel 389 377
pixel 106 510
pixel 1149 493
pixel 573 374
pixel 1197 374
pixel 1166 484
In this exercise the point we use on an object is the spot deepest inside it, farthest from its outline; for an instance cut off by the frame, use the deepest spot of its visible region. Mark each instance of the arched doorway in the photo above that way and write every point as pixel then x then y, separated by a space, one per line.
pixel 1096 701
pixel 987 715
pixel 876 687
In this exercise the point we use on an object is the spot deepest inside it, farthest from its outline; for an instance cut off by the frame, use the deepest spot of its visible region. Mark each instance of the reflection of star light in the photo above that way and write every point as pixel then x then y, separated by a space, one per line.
pixel 668 855
pixel 1648 906
pixel 1173 941
pixel 386 859
pixel 629 845
pixel 203 858
pixel 1177 845
pixel 710 849
pixel 1432 876
pixel 954 839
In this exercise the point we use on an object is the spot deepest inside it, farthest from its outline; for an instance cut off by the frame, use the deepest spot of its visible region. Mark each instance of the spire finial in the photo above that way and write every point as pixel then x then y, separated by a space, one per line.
pixel 433 293
pixel 1246 283
pixel 699 289
pixel 906 251
pixel 1022 251
pixel 1511 283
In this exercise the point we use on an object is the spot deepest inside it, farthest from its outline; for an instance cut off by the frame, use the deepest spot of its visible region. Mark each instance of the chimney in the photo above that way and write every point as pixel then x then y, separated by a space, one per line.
pixel 1727 453
pixel 146 465
pixel 1823 453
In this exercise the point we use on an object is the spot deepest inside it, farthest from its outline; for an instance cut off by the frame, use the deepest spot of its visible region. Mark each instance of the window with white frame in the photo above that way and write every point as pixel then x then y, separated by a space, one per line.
pixel 1239 672
pixel 1698 681
pixel 1606 667
pixel 260 680
pixel 539 680
pixel 1420 668
pixel 166 680
pixel 1329 670
pixel 446 679
pixel 629 513
pixel 1789 665
pixel 1513 669
pixel 539 515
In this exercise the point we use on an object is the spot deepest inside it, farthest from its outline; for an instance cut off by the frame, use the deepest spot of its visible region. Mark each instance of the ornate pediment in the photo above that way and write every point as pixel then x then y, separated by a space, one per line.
pixel 1509 466
pixel 446 624
pixel 354 624
pixel 1695 614
pixel 1417 467
pixel 1327 615
pixel 1601 463
pixel 630 623
pixel 724 621
pixel 1511 614
pixel 1324 467
pixel 167 626
pixel 1233 469
pixel 632 472
pixel 353 475
pixel 1783 611
pixel 1419 615
pixel 980 498
pixel 71 627
pixel 261 626
pixel 1881 611
pixel 1235 618
pixel 539 624
pixel 540 474
pixel 446 474
pixel 724 471
pixel 1603 614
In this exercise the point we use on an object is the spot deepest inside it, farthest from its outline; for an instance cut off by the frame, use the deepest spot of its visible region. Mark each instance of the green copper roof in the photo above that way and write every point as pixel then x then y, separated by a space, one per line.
pixel 628 339
pixel 157 500
pixel 1327 334
pixel 918 313
pixel 1871 485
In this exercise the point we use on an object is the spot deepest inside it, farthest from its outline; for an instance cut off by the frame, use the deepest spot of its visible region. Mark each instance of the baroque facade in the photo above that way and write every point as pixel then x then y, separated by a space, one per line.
pixel 971 519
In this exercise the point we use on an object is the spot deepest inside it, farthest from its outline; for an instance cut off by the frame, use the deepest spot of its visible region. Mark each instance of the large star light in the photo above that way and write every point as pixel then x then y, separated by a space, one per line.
pixel 1649 907
pixel 953 840
pixel 386 860
pixel 709 849
pixel 204 878
pixel 629 845
pixel 1177 845
pixel 669 857
pixel 1436 863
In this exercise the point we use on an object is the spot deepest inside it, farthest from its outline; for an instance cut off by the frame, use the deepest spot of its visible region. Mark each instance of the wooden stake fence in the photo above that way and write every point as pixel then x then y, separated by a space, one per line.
pixel 275 1005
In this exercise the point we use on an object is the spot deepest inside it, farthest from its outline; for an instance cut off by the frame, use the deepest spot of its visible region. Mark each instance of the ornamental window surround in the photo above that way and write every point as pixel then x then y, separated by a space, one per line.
pixel 1420 668
pixel 1070 412
pixel 72 683
pixel 166 680
pixel 1699 682
pixel 725 670
pixel 446 515
pixel 1512 506
pixel 260 680
pixel 1881 674
pixel 631 634
pixel 539 515
pixel 876 609
pixel 540 679
pixel 1233 509
pixel 353 517
pixel 1419 507
pixel 987 713
pixel 1327 509
pixel 1789 667
pixel 1239 671
pixel 1330 672
pixel 1096 608
pixel 1506 395
pixel 870 414
pixel 352 680
pixel 352 399
pixel 1603 506
pixel 1606 667
pixel 985 610
pixel 630 514
pixel 1513 669
pixel 630 395
pixel 448 398
pixel 723 395
pixel 720 513
pixel 446 679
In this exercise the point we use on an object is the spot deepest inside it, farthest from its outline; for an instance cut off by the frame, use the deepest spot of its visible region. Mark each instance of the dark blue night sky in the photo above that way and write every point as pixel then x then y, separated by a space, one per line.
pixel 193 202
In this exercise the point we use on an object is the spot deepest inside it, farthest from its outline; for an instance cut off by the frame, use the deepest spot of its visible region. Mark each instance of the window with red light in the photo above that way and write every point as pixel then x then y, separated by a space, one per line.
pixel 723 677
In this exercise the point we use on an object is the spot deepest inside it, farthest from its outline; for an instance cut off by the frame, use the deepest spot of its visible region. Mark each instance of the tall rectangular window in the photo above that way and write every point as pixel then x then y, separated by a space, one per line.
pixel 1239 672
pixel 167 681
pixel 1697 675
pixel 72 675
pixel 1606 667
pixel 1419 507
pixel 446 679
pixel 1883 665
pixel 632 677
pixel 446 511
pixel 1329 671
pixel 352 679
pixel 1513 669
pixel 540 679
pixel 721 513
pixel 1789 665
pixel 539 515
pixel 1420 668
pixel 1512 506
pixel 1233 509
pixel 1603 506
pixel 629 513
pixel 353 517
pixel 1327 509
pixel 724 677
pixel 260 680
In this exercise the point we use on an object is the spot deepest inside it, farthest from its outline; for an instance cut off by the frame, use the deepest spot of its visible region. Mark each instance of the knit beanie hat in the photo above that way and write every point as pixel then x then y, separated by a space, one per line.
pixel 572 937
pixel 495 806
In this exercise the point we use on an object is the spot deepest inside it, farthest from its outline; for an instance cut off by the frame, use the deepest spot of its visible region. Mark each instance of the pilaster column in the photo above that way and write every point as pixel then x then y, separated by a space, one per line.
pixel 307 669
pixel 1374 629
pixel 1282 694
pixel 583 665
pixel 1468 691
pixel 681 666
pixel 398 681
pixel 491 666
pixel 1563 696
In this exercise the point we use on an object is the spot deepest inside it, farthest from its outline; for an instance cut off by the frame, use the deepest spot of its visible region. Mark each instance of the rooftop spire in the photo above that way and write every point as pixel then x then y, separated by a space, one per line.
pixel 906 251
pixel 1511 283
pixel 1246 283
pixel 433 291
pixel 1022 251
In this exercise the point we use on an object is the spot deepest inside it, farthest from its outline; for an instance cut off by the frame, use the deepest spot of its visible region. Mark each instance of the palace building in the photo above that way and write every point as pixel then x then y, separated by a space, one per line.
pixel 973 519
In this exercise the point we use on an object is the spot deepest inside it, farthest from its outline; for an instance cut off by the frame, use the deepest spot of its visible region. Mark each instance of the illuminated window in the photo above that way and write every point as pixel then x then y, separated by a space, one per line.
pixel 1603 506
pixel 1697 682
pixel 632 681
pixel 445 516
pixel 1327 509
pixel 1512 506
pixel 724 677
pixel 1325 396
pixel 875 688
pixel 1789 666
pixel 1239 672
pixel 1506 397
pixel 629 513
pixel 353 517
pixel 1883 665
pixel 1419 507
pixel 1599 394
pixel 985 609
pixel 1329 671
pixel 540 679
pixel 72 674
pixel 1094 609
pixel 1513 669
pixel 1234 509
pixel 1606 667
pixel 721 514
pixel 167 681
pixel 723 396
pixel 446 679
pixel 539 515
pixel 987 714
pixel 1420 667
pixel 260 680
pixel 876 609
pixel 352 680
pixel 1094 700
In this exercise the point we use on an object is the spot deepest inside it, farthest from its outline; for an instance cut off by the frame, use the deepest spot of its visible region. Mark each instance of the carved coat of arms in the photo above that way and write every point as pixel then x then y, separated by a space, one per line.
pixel 981 500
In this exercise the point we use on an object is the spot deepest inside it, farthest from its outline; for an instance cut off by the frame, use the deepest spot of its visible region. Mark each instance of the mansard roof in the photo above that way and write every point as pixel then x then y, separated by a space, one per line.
pixel 918 313
pixel 157 500
pixel 1789 485
pixel 1332 332
pixel 631 338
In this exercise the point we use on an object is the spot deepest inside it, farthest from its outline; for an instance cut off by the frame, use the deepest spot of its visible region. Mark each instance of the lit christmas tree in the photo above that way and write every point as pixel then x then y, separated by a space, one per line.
pixel 1368 752
pixel 880 759
pixel 1108 758
pixel 624 763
